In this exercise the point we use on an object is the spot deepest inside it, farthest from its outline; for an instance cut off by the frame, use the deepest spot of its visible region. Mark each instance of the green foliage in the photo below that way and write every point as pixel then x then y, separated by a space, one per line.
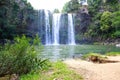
pixel 94 7
pixel 65 8
pixel 110 24
pixel 56 11
pixel 14 17
pixel 106 21
pixel 112 5
pixel 36 40
pixel 61 71
pixel 30 77
pixel 112 2
pixel 116 20
pixel 20 57
pixel 116 34
pixel 58 71
pixel 71 6
pixel 113 53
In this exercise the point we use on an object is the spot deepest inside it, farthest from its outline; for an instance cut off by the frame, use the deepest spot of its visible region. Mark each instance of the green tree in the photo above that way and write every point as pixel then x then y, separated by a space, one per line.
pixel 106 21
pixel 21 57
pixel 116 20
pixel 56 11
pixel 94 7
pixel 71 6
pixel 116 24
pixel 14 16
pixel 112 5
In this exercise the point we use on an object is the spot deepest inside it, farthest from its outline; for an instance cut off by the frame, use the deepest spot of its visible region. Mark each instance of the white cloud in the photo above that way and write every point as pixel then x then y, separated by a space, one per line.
pixel 48 4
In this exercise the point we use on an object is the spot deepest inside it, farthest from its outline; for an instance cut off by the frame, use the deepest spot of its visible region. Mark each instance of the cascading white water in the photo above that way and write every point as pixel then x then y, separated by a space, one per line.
pixel 47 29
pixel 71 35
pixel 60 31
pixel 55 28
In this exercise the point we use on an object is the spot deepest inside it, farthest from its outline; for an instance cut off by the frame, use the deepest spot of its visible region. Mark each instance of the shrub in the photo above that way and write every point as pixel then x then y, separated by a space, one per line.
pixel 20 57
pixel 116 34
pixel 106 21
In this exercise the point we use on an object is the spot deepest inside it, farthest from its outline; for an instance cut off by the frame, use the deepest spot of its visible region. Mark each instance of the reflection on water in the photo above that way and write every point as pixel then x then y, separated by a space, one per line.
pixel 71 51
pixel 51 52
pixel 62 52
pixel 55 52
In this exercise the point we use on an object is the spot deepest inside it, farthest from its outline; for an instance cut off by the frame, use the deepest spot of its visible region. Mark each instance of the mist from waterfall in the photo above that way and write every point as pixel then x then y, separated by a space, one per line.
pixel 71 33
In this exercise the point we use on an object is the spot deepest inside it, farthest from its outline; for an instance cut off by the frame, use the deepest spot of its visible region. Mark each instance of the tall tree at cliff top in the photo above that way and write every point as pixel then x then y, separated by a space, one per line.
pixel 14 14
pixel 102 23
pixel 107 25
pixel 71 6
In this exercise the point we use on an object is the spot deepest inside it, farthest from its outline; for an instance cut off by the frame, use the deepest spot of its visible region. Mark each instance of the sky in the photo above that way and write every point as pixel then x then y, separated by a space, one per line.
pixel 48 4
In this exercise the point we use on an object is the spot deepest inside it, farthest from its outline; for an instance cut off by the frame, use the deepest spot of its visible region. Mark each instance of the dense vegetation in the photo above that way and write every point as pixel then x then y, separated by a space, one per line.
pixel 71 6
pixel 17 56
pixel 105 19
pixel 21 57
pixel 104 22
pixel 15 16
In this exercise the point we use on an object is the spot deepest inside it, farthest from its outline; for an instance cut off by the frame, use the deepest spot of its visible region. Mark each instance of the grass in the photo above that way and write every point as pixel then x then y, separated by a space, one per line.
pixel 30 77
pixel 86 56
pixel 113 54
pixel 58 71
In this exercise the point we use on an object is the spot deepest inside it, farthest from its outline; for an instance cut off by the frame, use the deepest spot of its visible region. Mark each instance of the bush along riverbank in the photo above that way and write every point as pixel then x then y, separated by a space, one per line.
pixel 20 61
pixel 20 57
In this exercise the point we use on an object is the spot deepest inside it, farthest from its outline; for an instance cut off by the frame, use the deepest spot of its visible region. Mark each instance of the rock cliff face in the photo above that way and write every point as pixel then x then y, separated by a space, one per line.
pixel 82 21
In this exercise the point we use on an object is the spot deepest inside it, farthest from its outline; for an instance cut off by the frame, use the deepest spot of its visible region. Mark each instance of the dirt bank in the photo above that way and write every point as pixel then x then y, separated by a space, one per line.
pixel 95 71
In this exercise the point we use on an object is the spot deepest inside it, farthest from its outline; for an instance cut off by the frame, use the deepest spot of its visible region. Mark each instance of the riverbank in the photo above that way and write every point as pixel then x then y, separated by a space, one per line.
pixel 95 71
pixel 76 68
pixel 107 41
pixel 57 71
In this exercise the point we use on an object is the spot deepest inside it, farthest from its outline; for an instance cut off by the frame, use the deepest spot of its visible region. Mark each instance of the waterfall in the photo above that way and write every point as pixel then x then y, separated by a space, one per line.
pixel 47 29
pixel 55 28
pixel 71 35
pixel 40 21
